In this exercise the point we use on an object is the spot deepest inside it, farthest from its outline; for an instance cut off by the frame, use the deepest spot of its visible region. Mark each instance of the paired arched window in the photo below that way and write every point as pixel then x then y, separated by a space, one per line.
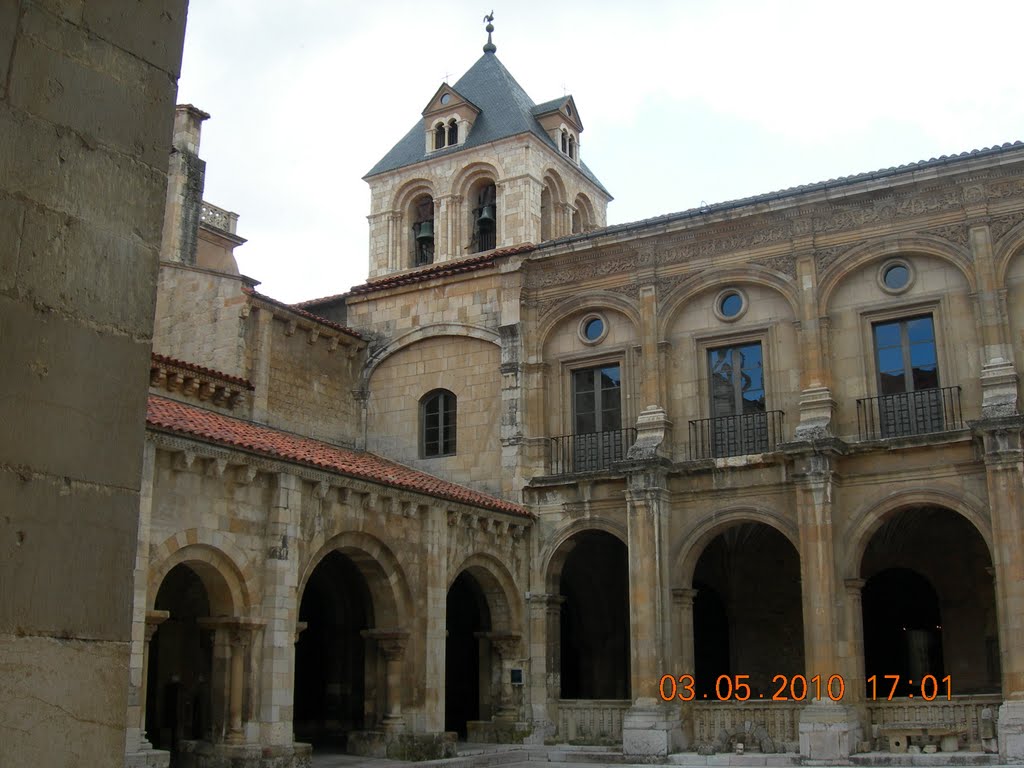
pixel 453 132
pixel 438 412
pixel 439 136
pixel 446 135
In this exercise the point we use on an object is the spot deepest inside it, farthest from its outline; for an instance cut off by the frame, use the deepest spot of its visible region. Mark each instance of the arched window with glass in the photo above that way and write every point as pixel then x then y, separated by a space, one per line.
pixel 438 417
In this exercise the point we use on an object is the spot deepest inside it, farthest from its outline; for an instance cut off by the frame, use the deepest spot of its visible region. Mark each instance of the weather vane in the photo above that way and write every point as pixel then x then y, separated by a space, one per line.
pixel 490 47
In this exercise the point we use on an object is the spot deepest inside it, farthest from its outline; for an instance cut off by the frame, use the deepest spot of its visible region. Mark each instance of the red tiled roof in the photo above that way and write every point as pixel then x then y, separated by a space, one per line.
pixel 321 300
pixel 165 360
pixel 181 418
pixel 443 269
pixel 302 313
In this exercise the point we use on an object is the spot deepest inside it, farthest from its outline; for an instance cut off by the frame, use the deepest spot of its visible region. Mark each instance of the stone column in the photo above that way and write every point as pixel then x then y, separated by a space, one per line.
pixel 153 620
pixel 545 663
pixel 998 374
pixel 650 380
pixel 391 644
pixel 682 601
pixel 816 404
pixel 853 647
pixel 507 646
pixel 1004 468
pixel 441 240
pixel 828 730
pixel 239 641
pixel 650 727
pixel 434 613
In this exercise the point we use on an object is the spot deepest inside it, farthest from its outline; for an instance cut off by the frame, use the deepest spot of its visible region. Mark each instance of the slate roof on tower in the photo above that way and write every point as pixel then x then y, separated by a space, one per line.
pixel 505 110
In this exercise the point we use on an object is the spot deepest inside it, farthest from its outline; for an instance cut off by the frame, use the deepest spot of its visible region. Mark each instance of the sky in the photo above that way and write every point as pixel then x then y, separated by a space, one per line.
pixel 682 103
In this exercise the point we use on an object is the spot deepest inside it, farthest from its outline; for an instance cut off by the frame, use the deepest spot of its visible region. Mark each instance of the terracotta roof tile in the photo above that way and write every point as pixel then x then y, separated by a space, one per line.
pixel 444 269
pixel 166 360
pixel 181 418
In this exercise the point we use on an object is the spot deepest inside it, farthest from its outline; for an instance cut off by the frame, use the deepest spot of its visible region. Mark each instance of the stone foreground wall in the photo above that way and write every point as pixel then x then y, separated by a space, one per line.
pixel 82 186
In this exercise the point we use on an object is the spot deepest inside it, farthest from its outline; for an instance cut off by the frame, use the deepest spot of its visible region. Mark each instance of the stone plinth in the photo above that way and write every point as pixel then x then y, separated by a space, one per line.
pixel 402 746
pixel 651 730
pixel 202 754
pixel 1011 732
pixel 828 732
pixel 497 731
pixel 147 758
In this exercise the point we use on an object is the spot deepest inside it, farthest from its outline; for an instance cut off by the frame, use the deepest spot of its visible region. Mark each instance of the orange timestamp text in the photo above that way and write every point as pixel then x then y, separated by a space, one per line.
pixel 799 687
pixel 736 688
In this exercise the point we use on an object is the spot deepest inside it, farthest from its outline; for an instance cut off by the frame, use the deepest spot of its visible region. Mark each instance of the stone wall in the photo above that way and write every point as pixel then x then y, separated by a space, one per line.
pixel 86 100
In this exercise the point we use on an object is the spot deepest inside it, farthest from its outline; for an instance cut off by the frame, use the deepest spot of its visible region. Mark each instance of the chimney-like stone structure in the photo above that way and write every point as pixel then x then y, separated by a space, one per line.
pixel 184 187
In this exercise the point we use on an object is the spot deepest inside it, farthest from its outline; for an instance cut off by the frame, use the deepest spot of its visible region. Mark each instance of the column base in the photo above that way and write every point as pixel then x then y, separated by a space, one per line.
pixel 498 731
pixel 1010 732
pixel 203 754
pixel 651 729
pixel 401 746
pixel 147 758
pixel 829 732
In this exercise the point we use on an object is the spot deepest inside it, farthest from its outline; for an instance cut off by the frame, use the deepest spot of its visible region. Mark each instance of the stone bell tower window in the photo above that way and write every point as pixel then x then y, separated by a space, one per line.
pixel 439 136
pixel 453 132
pixel 485 218
pixel 565 142
pixel 423 231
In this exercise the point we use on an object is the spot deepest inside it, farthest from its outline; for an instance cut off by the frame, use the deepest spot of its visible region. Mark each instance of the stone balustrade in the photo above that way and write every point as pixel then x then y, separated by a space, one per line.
pixel 591 721
pixel 218 218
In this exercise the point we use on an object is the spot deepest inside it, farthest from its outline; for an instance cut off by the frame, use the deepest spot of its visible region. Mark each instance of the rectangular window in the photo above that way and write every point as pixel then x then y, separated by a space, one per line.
pixel 909 401
pixel 439 420
pixel 739 424
pixel 597 417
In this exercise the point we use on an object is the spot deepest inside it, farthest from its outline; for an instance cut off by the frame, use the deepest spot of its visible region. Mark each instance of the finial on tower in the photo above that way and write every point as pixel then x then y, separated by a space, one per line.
pixel 490 47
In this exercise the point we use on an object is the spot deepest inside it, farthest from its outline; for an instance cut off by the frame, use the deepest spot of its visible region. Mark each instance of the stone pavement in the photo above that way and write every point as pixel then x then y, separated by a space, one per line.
pixel 519 756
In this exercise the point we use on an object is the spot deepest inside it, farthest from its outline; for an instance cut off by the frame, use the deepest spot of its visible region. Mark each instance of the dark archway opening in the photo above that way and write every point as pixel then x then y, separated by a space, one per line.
pixel 595 618
pixel 330 655
pixel 902 629
pixel 748 612
pixel 710 637
pixel 928 604
pixel 180 694
pixel 467 618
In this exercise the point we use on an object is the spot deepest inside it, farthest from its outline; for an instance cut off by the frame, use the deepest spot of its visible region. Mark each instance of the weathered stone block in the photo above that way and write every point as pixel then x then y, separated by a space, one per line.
pixel 66 548
pixel 46 360
pixel 63 701
pixel 155 32
pixel 8 28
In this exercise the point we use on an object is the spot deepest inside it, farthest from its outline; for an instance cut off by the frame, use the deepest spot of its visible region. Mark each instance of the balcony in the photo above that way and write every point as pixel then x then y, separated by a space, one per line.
pixel 742 435
pixel 909 413
pixel 589 452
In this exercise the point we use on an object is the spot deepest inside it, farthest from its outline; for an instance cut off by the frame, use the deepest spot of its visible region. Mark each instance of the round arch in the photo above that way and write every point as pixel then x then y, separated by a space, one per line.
pixel 922 245
pixel 1005 249
pixel 598 299
pixel 554 180
pixel 751 274
pixel 423 332
pixel 695 539
pixel 409 191
pixel 463 181
pixel 218 563
pixel 586 207
pixel 499 588
pixel 873 515
pixel 553 556
pixel 389 589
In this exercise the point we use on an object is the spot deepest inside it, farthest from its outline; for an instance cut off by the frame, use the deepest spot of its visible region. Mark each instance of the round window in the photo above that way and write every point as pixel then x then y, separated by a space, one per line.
pixel 446 98
pixel 895 277
pixel 730 305
pixel 592 328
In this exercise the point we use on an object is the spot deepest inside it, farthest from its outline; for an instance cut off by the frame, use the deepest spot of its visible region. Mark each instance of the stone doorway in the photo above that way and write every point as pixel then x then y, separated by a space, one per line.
pixel 185 685
pixel 467 655
pixel 594 621
pixel 332 663
pixel 928 605
pixel 747 611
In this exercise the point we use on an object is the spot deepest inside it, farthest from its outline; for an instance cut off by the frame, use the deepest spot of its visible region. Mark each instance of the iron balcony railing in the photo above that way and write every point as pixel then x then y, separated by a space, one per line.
pixel 741 435
pixel 909 413
pixel 590 451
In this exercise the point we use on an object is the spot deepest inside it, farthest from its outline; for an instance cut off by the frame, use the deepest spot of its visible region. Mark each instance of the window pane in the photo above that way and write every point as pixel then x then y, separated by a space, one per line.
pixel 583 381
pixel 586 422
pixel 920 329
pixel 887 335
pixel 891 383
pixel 610 376
pixel 890 360
pixel 926 377
pixel 922 355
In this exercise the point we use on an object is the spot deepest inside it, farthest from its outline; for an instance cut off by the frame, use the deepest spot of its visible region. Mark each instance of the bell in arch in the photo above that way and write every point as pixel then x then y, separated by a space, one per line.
pixel 486 215
pixel 426 232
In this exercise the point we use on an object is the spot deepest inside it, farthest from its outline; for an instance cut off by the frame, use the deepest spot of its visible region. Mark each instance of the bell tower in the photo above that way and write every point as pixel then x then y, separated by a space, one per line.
pixel 484 168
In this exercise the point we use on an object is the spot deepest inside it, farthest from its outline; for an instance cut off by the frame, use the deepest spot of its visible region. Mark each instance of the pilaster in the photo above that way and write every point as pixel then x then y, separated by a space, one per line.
pixel 817 408
pixel 999 377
